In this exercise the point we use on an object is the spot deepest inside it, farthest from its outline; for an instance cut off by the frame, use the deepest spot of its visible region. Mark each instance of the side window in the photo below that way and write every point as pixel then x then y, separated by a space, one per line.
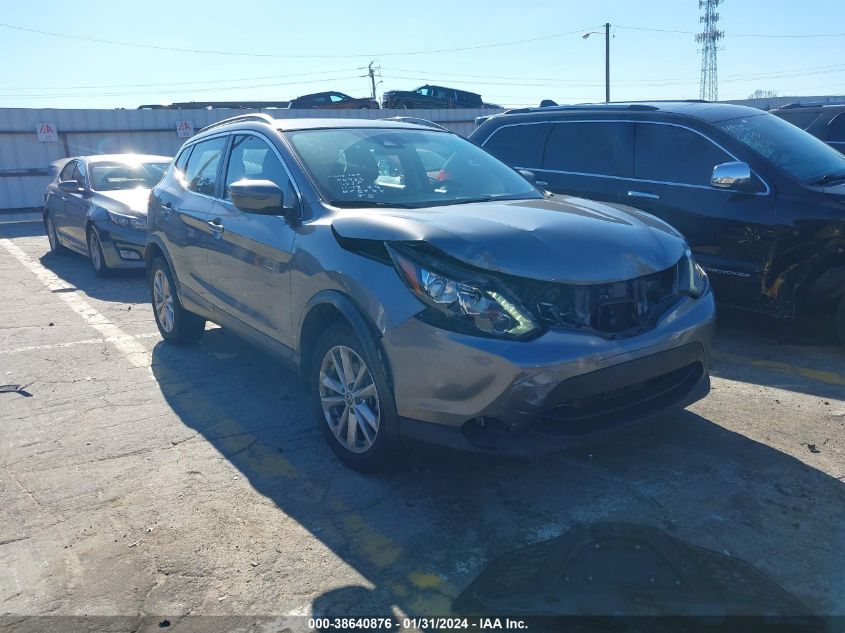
pixel 253 159
pixel 674 154
pixel 67 171
pixel 182 160
pixel 79 174
pixel 601 148
pixel 336 98
pixel 519 145
pixel 201 169
pixel 319 99
pixel 800 118
pixel 836 129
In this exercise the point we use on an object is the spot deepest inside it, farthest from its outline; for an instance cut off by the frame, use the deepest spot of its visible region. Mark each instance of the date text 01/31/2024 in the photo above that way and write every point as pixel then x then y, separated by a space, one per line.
pixel 388 624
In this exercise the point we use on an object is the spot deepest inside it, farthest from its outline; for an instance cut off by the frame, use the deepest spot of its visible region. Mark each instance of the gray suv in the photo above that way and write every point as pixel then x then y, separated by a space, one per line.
pixel 423 289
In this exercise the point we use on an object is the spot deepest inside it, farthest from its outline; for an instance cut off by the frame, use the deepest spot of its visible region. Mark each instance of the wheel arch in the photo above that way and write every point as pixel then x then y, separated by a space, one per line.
pixel 325 309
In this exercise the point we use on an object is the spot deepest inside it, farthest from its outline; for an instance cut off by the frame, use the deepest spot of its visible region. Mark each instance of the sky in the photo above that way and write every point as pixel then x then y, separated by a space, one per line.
pixel 268 50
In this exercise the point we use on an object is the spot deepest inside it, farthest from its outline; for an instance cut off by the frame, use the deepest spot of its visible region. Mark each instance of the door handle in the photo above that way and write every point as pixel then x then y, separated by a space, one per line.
pixel 643 194
pixel 216 228
pixel 166 208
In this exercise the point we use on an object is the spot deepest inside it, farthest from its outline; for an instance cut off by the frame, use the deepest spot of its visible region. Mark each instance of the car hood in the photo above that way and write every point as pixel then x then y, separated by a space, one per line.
pixel 130 201
pixel 565 239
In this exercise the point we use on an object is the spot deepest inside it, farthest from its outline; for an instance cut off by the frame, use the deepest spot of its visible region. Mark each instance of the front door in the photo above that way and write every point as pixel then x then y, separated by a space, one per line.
pixel 76 208
pixel 730 232
pixel 249 253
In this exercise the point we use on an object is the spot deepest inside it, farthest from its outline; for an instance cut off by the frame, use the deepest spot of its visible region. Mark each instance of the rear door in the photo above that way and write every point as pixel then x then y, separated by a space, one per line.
pixel 185 212
pixel 249 254
pixel 730 232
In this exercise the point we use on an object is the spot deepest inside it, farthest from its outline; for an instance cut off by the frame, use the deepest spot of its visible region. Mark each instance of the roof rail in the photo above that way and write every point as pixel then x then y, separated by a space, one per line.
pixel 254 116
pixel 585 106
pixel 416 121
pixel 809 104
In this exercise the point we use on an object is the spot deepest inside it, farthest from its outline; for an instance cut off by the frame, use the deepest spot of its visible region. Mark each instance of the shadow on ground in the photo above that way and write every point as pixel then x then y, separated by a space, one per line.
pixel 421 533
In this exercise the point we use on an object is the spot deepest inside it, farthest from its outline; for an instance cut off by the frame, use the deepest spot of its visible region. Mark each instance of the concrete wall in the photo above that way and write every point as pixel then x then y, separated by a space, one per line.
pixel 24 158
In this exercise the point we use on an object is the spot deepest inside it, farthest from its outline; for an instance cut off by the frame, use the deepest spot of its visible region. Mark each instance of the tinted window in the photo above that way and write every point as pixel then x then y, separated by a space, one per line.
pixel 675 154
pixel 836 129
pixel 801 155
pixel 182 159
pixel 802 119
pixel 519 145
pixel 201 170
pixel 67 171
pixel 78 174
pixel 253 159
pixel 590 148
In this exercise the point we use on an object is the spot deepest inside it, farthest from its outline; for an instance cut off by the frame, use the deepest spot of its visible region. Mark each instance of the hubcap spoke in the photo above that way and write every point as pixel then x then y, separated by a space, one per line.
pixel 349 399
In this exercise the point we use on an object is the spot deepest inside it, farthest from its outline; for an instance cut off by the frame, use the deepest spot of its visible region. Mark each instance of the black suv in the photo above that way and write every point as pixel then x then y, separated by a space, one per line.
pixel 761 202
pixel 431 97
pixel 826 122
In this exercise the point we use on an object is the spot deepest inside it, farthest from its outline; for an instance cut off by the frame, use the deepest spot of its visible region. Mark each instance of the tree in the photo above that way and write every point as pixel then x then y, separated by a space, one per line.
pixel 763 94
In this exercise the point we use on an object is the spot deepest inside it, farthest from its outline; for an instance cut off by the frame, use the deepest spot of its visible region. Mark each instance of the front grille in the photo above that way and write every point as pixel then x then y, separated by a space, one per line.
pixel 595 412
pixel 614 310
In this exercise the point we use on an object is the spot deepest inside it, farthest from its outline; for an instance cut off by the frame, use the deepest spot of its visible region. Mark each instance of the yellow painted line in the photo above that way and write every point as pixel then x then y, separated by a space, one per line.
pixel 819 375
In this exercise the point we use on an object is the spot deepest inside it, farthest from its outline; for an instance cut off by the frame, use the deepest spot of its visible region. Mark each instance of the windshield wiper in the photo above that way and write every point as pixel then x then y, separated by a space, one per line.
pixel 829 178
pixel 369 203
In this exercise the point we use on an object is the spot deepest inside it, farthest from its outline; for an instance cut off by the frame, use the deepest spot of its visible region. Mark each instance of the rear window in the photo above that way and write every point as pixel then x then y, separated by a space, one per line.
pixel 836 129
pixel 802 119
pixel 602 148
pixel 519 145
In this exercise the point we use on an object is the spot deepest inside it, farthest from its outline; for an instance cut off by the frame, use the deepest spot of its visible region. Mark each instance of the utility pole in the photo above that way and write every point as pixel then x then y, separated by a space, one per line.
pixel 372 73
pixel 607 62
pixel 709 38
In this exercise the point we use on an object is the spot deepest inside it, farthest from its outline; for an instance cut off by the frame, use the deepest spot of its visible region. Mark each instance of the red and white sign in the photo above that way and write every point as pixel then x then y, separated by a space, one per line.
pixel 47 132
pixel 184 129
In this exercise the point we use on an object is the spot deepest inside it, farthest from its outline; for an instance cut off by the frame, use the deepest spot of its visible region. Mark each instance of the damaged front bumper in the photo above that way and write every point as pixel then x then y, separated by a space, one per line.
pixel 512 397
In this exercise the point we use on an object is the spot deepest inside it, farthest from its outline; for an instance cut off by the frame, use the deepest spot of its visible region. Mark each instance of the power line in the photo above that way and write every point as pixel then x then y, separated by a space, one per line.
pixel 175 49
pixel 764 35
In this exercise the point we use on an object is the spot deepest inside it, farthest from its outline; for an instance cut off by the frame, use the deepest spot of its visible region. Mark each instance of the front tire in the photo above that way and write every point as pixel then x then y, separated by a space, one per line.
pixel 95 254
pixel 176 325
pixel 353 403
pixel 55 245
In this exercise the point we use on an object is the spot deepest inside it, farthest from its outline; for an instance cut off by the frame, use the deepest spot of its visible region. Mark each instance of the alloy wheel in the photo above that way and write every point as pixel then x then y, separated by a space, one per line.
pixel 163 300
pixel 349 399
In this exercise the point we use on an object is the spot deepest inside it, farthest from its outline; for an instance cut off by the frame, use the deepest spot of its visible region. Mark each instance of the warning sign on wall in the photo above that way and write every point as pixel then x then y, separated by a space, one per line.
pixel 47 132
pixel 184 129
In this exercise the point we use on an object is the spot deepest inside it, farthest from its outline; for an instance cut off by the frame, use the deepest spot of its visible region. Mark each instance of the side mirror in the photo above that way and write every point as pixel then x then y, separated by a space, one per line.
pixel 530 176
pixel 70 186
pixel 257 196
pixel 735 176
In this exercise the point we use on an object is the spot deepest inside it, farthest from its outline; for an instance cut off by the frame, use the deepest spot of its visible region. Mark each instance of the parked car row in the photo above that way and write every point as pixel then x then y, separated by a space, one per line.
pixel 426 97
pixel 425 289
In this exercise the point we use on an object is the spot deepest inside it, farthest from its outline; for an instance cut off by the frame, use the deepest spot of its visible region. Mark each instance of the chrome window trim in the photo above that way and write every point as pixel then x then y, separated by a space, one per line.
pixel 633 122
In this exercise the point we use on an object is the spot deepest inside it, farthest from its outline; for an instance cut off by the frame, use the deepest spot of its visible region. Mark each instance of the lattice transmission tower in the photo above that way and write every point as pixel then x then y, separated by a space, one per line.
pixel 709 39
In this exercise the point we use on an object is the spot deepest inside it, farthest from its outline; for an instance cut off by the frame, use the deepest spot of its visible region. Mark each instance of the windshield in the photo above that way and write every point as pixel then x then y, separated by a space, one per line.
pixel 799 154
pixel 113 176
pixel 404 167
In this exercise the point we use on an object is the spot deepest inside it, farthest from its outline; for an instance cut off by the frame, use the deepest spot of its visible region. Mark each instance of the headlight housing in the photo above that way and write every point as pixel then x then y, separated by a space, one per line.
pixel 461 300
pixel 692 280
pixel 130 221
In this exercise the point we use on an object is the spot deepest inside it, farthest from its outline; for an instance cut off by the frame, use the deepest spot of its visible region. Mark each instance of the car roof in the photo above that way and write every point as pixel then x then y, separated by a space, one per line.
pixel 704 110
pixel 125 158
pixel 258 120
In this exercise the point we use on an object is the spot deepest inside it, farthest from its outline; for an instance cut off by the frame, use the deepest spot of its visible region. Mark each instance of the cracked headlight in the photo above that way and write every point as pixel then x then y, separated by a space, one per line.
pixel 461 300
pixel 131 221
pixel 692 280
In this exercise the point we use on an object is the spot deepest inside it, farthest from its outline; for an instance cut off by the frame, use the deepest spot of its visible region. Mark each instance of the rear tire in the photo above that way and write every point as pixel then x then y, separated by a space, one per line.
pixel 55 245
pixel 353 403
pixel 840 321
pixel 95 254
pixel 176 325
